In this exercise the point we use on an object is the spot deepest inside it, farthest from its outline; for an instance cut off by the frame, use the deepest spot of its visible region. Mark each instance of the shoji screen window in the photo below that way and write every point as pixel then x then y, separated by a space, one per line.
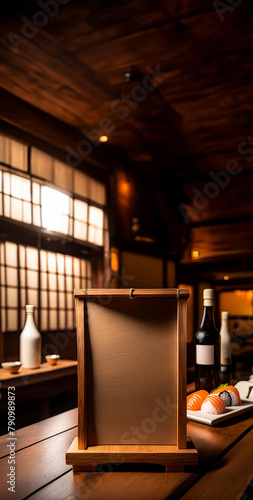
pixel 55 210
pixel 28 279
pixel 96 221
pixel 9 287
pixel 59 275
pixel 42 278
pixel 31 202
pixel 16 197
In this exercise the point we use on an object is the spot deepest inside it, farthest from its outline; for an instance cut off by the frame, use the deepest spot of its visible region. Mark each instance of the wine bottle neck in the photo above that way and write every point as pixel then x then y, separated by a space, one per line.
pixel 207 321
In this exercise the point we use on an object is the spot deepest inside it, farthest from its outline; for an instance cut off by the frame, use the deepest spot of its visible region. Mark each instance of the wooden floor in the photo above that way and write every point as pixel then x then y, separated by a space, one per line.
pixel 224 471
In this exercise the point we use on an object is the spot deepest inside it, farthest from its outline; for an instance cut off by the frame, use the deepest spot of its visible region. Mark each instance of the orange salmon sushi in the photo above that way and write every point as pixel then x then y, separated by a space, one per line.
pixel 230 395
pixel 213 404
pixel 195 400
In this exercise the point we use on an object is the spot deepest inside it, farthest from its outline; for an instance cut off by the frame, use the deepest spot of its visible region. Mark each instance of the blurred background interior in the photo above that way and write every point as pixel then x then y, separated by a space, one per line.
pixel 126 155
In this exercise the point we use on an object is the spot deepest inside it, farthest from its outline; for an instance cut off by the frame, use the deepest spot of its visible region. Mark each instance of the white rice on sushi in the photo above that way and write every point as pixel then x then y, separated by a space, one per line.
pixel 213 405
pixel 235 400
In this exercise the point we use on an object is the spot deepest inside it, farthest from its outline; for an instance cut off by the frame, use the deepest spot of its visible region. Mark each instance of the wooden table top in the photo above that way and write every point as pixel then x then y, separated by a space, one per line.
pixel 27 376
pixel 224 471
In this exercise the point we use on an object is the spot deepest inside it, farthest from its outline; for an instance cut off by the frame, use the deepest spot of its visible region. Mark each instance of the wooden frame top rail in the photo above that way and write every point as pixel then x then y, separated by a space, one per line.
pixel 132 292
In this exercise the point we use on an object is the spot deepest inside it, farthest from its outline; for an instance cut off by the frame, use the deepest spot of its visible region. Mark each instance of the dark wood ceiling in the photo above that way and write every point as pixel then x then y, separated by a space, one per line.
pixel 196 119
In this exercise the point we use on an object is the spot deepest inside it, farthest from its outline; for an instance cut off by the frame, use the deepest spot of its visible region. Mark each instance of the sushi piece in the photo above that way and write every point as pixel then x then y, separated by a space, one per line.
pixel 226 396
pixel 195 400
pixel 213 405
pixel 230 395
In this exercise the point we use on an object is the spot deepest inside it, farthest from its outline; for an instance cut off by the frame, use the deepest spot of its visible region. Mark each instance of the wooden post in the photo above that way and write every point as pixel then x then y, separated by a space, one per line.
pixel 182 367
pixel 82 374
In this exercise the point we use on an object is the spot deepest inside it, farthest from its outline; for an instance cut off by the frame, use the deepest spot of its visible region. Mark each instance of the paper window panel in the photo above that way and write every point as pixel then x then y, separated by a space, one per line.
pixel 97 192
pixel 96 226
pixel 36 193
pixel 11 252
pixel 63 175
pixel 80 230
pixel 19 155
pixel 71 225
pixel 96 217
pixel 32 258
pixel 27 216
pixel 1 204
pixel 6 183
pixel 7 206
pixel 12 297
pixel 33 297
pixel 12 276
pixel 43 281
pixel 52 282
pixel 69 283
pixel 77 282
pixel 83 265
pixel 43 260
pixel 51 262
pixel 3 301
pixel 13 153
pixel 2 275
pixel 21 256
pixel 68 265
pixel 52 300
pixel 32 279
pixel 16 186
pixel 53 320
pixel 80 184
pixel 60 264
pixel 61 298
pixel 22 302
pixel 43 299
pixel 76 263
pixel 16 209
pixel 41 164
pixel 70 301
pixel 44 320
pixel 12 320
pixel 54 210
pixel 80 210
pixel 22 317
pixel 63 225
pixel 36 215
pixel 61 282
pixel 20 187
pixel 22 277
pixel 95 236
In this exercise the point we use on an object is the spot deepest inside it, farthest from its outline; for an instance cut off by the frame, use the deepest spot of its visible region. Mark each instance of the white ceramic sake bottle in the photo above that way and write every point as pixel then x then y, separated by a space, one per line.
pixel 30 341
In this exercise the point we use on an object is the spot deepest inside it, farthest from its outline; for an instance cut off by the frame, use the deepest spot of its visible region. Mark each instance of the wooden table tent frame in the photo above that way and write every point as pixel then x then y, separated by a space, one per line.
pixel 83 456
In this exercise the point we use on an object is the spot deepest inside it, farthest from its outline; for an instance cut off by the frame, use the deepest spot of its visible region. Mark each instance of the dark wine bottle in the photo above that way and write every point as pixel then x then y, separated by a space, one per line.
pixel 207 348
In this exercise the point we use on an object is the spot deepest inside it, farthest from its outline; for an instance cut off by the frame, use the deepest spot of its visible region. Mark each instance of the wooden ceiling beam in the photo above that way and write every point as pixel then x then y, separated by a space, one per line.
pixel 45 127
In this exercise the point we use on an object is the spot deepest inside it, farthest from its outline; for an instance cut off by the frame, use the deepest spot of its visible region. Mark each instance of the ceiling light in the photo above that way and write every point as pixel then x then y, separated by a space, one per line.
pixel 195 254
pixel 226 278
pixel 103 138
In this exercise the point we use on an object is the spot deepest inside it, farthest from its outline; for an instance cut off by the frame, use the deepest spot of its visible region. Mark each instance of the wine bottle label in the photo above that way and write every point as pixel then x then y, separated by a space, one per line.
pixel 205 354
